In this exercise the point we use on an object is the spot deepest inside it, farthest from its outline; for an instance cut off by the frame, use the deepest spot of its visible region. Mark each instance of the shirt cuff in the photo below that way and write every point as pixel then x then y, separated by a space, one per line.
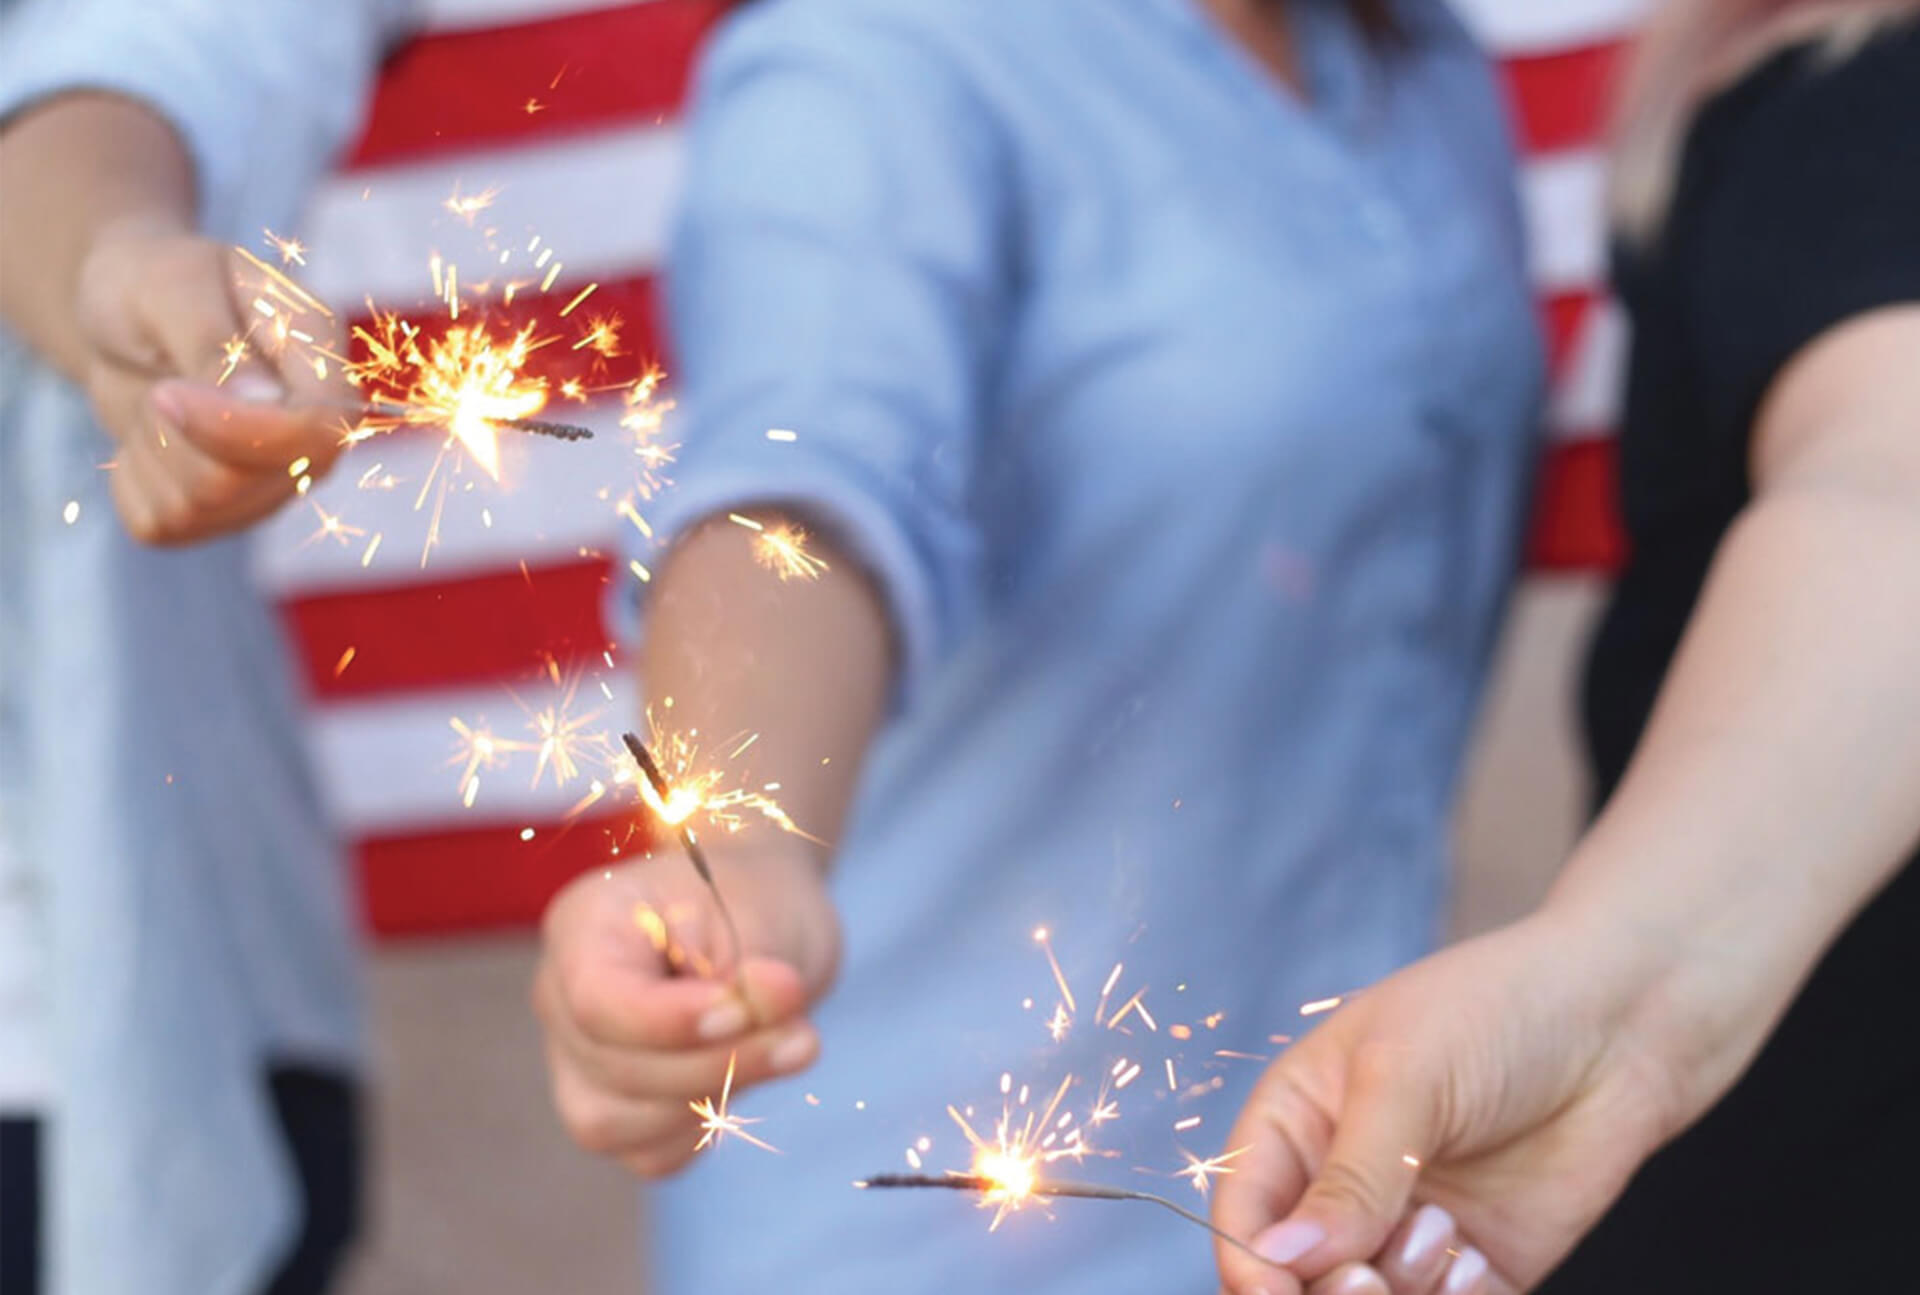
pixel 860 526
pixel 43 62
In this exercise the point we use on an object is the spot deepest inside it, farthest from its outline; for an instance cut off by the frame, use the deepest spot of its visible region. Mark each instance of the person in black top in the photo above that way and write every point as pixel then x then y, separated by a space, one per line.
pixel 1702 1047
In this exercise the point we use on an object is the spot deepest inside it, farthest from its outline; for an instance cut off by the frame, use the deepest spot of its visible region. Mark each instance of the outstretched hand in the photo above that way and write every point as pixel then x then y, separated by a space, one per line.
pixel 646 1010
pixel 1456 1128
pixel 156 310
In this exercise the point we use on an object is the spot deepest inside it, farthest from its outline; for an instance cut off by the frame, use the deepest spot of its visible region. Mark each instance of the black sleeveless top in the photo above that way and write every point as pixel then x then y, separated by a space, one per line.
pixel 1797 207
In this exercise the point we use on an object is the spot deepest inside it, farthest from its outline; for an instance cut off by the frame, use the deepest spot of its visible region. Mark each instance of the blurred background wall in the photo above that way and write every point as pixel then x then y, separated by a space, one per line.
pixel 557 120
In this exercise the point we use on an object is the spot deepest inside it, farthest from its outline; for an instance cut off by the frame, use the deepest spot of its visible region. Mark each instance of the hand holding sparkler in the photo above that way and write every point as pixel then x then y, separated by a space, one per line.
pixel 1458 1126
pixel 160 311
pixel 647 1013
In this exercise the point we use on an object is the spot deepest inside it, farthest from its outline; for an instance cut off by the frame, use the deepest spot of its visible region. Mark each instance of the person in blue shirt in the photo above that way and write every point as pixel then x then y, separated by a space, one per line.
pixel 1157 381
pixel 180 1017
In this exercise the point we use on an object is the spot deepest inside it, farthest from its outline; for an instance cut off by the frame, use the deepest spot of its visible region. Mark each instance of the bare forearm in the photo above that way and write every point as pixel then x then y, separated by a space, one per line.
pixel 1774 791
pixel 74 166
pixel 804 664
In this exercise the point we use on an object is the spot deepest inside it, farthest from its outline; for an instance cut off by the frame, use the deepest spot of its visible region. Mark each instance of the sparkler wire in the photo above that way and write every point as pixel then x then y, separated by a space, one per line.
pixel 532 426
pixel 1056 1188
pixel 695 855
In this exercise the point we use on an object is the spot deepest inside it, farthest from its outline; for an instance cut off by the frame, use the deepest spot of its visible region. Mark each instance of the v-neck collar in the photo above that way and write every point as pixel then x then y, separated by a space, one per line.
pixel 1330 52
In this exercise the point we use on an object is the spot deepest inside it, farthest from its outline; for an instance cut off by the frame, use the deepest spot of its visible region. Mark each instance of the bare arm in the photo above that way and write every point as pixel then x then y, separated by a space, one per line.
pixel 1772 795
pixel 637 1029
pixel 76 166
pixel 1775 789
pixel 103 272
pixel 805 664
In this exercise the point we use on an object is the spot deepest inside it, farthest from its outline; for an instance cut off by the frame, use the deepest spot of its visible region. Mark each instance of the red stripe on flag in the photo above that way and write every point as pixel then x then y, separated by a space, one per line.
pixel 476 878
pixel 1561 316
pixel 1576 520
pixel 1563 100
pixel 502 625
pixel 630 302
pixel 519 84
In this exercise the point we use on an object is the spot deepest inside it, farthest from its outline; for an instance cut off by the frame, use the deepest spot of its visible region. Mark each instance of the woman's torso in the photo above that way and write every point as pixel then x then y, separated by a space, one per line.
pixel 1246 507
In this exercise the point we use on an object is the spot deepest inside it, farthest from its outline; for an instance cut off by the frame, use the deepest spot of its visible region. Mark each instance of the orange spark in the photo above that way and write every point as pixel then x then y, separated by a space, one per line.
pixel 697 789
pixel 1201 1173
pixel 468 206
pixel 602 336
pixel 292 251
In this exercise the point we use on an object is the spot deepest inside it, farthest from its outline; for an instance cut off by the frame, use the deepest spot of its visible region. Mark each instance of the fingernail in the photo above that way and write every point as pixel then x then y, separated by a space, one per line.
pixel 1466 1274
pixel 166 401
pixel 254 388
pixel 1431 1228
pixel 1361 1280
pixel 1285 1242
pixel 722 1021
pixel 792 1052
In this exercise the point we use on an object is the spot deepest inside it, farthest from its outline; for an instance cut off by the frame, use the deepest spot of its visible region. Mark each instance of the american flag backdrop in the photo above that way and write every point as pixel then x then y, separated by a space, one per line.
pixel 567 111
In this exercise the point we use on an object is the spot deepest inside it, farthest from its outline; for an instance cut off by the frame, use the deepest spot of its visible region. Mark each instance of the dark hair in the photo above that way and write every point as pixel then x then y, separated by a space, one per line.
pixel 1375 17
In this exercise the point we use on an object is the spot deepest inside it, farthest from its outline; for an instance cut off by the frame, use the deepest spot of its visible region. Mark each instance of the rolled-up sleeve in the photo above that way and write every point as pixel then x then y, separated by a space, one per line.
pixel 838 276
pixel 263 94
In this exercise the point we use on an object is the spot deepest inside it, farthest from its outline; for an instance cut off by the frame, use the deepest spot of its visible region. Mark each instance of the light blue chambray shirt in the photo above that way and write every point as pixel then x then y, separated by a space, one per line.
pixel 1186 430
pixel 178 903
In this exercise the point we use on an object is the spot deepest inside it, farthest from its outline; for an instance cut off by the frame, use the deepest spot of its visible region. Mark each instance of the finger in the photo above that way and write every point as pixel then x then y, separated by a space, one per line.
pixel 171 491
pixel 163 305
pixel 1468 1274
pixel 188 307
pixel 145 498
pixel 243 425
pixel 1285 1134
pixel 607 1123
pixel 1362 1188
pixel 1418 1253
pixel 765 1054
pixel 1351 1279
pixel 621 1006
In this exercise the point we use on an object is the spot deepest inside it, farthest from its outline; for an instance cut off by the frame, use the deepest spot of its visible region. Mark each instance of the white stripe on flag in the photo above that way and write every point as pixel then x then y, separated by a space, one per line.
pixel 1563 196
pixel 601 202
pixel 461 15
pixel 1590 395
pixel 1512 27
pixel 547 505
pixel 395 764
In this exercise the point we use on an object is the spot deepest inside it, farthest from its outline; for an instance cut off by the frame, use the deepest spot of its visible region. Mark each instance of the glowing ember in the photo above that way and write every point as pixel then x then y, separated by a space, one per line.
pixel 1010 1164
pixel 292 251
pixel 602 336
pixel 1201 1173
pixel 717 1123
pixel 468 206
pixel 467 380
pixel 696 789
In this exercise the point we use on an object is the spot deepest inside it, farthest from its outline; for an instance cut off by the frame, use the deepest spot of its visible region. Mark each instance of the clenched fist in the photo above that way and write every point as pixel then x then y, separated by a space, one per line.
pixel 156 309
pixel 644 1005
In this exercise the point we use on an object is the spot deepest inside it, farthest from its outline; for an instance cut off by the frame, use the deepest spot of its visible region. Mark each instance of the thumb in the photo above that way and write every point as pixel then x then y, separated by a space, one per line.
pixel 1382 1134
pixel 245 425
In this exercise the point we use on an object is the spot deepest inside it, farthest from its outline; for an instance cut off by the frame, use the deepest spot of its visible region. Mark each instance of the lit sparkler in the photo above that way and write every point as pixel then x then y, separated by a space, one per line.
pixel 674 808
pixel 690 788
pixel 1025 1184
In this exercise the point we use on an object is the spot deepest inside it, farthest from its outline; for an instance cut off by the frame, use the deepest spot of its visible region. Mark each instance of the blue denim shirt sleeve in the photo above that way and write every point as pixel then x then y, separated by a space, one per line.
pixel 839 278
pixel 262 94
